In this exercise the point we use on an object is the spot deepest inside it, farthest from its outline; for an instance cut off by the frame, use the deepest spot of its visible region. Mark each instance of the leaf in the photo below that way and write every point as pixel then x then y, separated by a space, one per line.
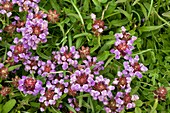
pixel 55 5
pixel 109 60
pixel 138 110
pixel 42 55
pixel 150 28
pixel 166 14
pixel 154 106
pixel 69 107
pixel 9 105
pixel 34 104
pixel 102 1
pixel 125 13
pixel 94 48
pixel 120 1
pixel 119 22
pixel 81 34
pixel 138 103
pixel 103 56
pixel 14 67
pixel 79 42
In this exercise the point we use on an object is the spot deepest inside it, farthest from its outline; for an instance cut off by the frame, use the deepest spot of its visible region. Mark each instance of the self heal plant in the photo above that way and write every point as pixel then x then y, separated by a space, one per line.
pixel 120 101
pixel 66 57
pixel 34 31
pixel 133 67
pixel 29 85
pixel 82 80
pixel 18 52
pixel 25 5
pixel 6 7
pixel 124 44
pixel 102 90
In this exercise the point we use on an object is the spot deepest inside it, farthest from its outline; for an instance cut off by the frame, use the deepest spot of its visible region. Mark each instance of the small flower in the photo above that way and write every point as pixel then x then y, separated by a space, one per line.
pixel 5 91
pixel 52 16
pixel 92 62
pixel 10 29
pixel 123 82
pixel 3 71
pixel 98 25
pixel 46 68
pixel 160 93
pixel 66 57
pixel 31 64
pixel 102 90
pixel 25 5
pixel 84 51
pixel 133 67
pixel 15 81
pixel 123 45
pixel 74 104
pixel 6 7
pixel 82 80
pixel 30 85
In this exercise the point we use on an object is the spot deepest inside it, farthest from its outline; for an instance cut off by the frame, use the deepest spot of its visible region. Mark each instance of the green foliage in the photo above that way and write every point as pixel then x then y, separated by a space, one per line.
pixel 146 19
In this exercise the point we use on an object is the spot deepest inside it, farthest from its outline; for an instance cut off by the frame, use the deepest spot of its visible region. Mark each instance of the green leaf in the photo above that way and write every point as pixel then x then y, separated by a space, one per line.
pixel 150 28
pixel 42 55
pixel 9 105
pixel 120 1
pixel 166 14
pixel 103 56
pixel 154 106
pixel 55 5
pixel 138 110
pixel 81 34
pixel 102 1
pixel 14 67
pixel 79 42
pixel 69 107
pixel 125 13
pixel 34 104
pixel 119 22
pixel 138 103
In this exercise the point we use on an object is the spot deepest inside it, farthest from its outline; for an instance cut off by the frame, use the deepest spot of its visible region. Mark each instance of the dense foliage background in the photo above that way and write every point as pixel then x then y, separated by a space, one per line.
pixel 146 19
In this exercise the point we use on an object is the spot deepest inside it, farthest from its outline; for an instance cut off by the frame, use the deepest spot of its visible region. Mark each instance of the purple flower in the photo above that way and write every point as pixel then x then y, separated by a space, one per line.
pixel 30 85
pixel 73 103
pixel 25 5
pixel 123 45
pixel 92 62
pixel 102 90
pixel 133 67
pixel 6 7
pixel 123 82
pixel 66 57
pixel 18 52
pixel 46 69
pixel 82 80
pixel 31 64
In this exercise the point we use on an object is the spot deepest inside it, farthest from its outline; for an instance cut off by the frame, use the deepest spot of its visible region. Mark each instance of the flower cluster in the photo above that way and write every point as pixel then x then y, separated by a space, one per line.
pixel 160 93
pixel 19 52
pixel 102 90
pixel 98 25
pixel 123 46
pixel 69 72
pixel 35 30
pixel 120 101
pixel 3 71
pixel 66 57
pixel 54 90
pixel 6 7
pixel 25 5
pixel 29 85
